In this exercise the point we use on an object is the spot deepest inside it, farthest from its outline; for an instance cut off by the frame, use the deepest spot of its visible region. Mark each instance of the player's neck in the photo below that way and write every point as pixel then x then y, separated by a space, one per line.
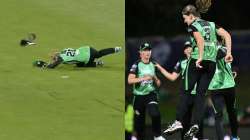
pixel 144 60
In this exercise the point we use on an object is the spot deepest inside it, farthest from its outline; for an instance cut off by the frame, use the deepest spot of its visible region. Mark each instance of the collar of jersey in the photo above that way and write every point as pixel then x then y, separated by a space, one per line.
pixel 146 63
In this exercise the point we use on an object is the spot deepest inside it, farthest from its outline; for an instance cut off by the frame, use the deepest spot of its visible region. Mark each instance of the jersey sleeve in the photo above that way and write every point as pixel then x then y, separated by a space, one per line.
pixel 58 61
pixel 156 69
pixel 134 68
pixel 177 67
pixel 217 27
pixel 192 29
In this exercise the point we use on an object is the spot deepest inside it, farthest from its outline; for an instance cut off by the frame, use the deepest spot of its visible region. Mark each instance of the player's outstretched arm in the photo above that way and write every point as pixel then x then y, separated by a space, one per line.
pixel 55 62
pixel 200 44
pixel 228 43
pixel 170 76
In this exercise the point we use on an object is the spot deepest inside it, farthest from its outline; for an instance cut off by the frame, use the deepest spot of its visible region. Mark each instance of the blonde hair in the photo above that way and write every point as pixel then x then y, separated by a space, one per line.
pixel 202 6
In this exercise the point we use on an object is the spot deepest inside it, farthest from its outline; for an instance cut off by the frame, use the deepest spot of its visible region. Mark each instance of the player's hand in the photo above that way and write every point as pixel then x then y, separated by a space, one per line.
pixel 234 74
pixel 155 78
pixel 198 63
pixel 229 58
pixel 39 63
pixel 157 81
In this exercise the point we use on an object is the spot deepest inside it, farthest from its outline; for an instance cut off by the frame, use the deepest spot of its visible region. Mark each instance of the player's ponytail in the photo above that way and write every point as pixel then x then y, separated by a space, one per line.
pixel 203 5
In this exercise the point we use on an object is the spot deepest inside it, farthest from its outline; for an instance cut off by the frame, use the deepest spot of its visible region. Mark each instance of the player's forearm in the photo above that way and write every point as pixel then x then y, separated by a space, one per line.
pixel 157 81
pixel 52 65
pixel 228 42
pixel 55 63
pixel 227 37
pixel 134 80
pixel 200 45
pixel 169 76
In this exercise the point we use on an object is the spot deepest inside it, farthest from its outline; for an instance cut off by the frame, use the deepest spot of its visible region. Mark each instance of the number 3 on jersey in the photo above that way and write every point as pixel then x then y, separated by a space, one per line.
pixel 207 33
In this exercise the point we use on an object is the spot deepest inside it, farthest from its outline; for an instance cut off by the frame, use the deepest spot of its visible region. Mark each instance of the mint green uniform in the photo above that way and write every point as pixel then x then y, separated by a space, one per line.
pixel 208 31
pixel 72 56
pixel 223 77
pixel 141 69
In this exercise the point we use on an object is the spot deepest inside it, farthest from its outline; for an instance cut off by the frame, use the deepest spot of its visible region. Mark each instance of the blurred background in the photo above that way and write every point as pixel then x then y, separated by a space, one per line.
pixel 160 23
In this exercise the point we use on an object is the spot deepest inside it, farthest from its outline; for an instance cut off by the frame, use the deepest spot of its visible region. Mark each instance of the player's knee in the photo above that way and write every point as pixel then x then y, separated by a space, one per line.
pixel 154 112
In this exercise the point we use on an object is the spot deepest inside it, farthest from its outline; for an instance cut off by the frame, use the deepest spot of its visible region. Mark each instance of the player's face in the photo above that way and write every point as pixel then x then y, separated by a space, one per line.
pixel 145 54
pixel 188 19
pixel 188 51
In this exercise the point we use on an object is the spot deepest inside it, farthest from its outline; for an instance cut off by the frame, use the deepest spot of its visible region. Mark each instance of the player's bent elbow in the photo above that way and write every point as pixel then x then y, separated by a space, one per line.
pixel 173 77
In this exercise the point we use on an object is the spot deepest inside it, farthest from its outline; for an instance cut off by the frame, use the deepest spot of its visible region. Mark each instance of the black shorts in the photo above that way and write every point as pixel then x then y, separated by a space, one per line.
pixel 141 101
pixel 92 56
pixel 202 77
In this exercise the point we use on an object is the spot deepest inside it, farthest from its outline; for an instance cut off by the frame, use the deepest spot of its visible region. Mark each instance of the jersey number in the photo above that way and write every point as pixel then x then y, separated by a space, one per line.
pixel 207 34
pixel 70 52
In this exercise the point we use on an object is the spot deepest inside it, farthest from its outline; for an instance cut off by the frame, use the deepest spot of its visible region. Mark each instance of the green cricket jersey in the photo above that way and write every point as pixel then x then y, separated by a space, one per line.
pixel 141 69
pixel 180 68
pixel 208 31
pixel 223 77
pixel 72 56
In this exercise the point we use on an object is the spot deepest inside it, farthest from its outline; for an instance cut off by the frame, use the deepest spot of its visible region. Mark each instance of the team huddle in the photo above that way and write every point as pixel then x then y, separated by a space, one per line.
pixel 206 67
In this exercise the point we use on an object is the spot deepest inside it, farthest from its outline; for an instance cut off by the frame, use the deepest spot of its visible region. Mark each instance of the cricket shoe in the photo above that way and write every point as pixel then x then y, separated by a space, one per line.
pixel 191 132
pixel 118 49
pixel 99 63
pixel 235 138
pixel 159 138
pixel 176 126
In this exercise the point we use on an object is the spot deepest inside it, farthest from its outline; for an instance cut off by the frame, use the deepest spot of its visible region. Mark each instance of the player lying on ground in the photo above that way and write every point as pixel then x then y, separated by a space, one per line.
pixel 82 57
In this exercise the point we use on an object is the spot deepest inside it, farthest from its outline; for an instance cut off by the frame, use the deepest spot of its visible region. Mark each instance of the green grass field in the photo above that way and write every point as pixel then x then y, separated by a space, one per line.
pixel 38 104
